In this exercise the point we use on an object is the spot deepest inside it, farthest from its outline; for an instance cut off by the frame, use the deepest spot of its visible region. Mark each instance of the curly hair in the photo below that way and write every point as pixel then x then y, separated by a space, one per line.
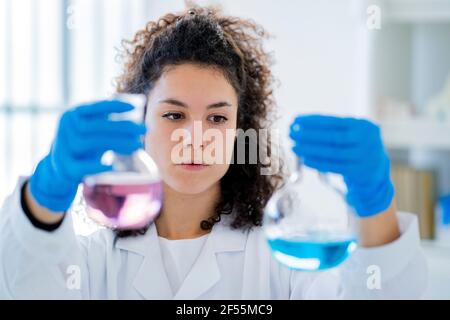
pixel 203 36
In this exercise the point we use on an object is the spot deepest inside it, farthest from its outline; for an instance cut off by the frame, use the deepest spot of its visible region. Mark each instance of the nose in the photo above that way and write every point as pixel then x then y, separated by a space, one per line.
pixel 195 135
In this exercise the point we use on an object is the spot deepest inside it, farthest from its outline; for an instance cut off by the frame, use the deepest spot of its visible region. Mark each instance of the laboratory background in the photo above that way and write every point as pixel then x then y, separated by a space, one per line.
pixel 388 61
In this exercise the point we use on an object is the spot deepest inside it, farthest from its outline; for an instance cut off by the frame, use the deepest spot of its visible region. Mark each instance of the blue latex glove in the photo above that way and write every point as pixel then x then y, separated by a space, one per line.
pixel 350 147
pixel 84 134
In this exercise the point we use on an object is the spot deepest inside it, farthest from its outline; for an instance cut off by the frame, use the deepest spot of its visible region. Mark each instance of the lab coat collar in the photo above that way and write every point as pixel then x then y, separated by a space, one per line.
pixel 151 280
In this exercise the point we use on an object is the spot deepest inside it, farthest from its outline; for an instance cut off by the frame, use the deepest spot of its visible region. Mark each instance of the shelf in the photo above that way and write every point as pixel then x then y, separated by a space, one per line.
pixel 416 11
pixel 416 134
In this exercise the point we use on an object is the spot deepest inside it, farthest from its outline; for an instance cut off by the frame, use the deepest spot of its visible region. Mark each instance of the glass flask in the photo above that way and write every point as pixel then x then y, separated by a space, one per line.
pixel 130 196
pixel 308 224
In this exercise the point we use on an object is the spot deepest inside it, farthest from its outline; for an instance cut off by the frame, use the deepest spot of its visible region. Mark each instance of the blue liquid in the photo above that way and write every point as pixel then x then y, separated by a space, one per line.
pixel 311 255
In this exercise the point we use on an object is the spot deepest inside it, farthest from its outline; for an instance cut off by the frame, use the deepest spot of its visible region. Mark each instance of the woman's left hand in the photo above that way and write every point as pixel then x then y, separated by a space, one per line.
pixel 350 147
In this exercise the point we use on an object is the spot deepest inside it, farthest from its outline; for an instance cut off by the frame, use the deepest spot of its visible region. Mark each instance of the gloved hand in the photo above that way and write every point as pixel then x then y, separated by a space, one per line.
pixel 84 134
pixel 350 147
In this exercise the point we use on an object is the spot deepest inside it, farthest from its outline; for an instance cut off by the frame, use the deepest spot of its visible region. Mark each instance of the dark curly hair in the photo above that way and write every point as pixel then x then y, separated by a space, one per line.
pixel 203 36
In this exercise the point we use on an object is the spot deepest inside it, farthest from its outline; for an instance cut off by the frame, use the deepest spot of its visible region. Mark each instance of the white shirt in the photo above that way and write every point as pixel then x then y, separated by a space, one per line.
pixel 232 264
pixel 178 258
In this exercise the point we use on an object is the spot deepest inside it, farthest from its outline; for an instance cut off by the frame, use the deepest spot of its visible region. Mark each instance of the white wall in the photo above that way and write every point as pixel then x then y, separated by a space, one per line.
pixel 319 48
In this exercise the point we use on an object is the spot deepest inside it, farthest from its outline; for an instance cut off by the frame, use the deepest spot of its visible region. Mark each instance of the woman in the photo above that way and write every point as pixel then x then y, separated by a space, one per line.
pixel 200 67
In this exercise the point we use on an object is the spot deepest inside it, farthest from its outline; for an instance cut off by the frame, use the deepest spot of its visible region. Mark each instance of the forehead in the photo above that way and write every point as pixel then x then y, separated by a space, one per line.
pixel 194 84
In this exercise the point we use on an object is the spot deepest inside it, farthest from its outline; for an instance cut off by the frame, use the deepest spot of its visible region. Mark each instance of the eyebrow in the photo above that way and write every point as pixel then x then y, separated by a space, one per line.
pixel 182 104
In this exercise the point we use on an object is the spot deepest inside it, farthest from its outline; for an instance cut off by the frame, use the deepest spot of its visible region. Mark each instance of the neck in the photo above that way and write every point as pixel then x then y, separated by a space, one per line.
pixel 181 214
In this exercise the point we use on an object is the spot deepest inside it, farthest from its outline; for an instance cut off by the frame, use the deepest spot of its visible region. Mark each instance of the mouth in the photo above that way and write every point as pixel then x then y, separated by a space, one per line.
pixel 193 166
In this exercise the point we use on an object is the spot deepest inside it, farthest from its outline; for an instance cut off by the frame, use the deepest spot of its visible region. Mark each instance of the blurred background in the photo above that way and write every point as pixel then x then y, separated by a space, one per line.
pixel 385 60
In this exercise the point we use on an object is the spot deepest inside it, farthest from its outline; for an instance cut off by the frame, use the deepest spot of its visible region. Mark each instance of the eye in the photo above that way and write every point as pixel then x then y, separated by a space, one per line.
pixel 175 116
pixel 217 119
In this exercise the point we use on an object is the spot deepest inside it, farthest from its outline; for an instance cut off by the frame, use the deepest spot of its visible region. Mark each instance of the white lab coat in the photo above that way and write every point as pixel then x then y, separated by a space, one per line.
pixel 232 265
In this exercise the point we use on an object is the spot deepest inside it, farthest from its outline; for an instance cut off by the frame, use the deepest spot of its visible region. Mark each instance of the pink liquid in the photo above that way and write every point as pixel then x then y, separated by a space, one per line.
pixel 123 206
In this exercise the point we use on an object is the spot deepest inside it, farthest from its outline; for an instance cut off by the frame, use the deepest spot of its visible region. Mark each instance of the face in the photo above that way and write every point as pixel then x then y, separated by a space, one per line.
pixel 191 120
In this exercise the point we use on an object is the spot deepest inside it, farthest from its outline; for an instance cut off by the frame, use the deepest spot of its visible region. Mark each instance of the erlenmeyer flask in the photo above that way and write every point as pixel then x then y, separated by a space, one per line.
pixel 129 196
pixel 308 224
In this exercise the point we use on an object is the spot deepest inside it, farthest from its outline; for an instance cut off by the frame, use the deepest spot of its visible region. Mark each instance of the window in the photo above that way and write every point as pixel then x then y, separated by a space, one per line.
pixel 54 54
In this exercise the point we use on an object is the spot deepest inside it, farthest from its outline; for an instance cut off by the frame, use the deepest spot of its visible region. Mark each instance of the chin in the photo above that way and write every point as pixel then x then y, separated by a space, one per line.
pixel 188 187
pixel 192 183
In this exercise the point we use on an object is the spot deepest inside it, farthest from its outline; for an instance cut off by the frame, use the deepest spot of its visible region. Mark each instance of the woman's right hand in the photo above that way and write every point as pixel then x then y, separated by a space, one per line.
pixel 84 134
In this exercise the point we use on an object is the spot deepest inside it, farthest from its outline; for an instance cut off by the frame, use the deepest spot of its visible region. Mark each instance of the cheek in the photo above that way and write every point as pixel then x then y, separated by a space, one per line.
pixel 157 140
pixel 220 170
pixel 158 146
